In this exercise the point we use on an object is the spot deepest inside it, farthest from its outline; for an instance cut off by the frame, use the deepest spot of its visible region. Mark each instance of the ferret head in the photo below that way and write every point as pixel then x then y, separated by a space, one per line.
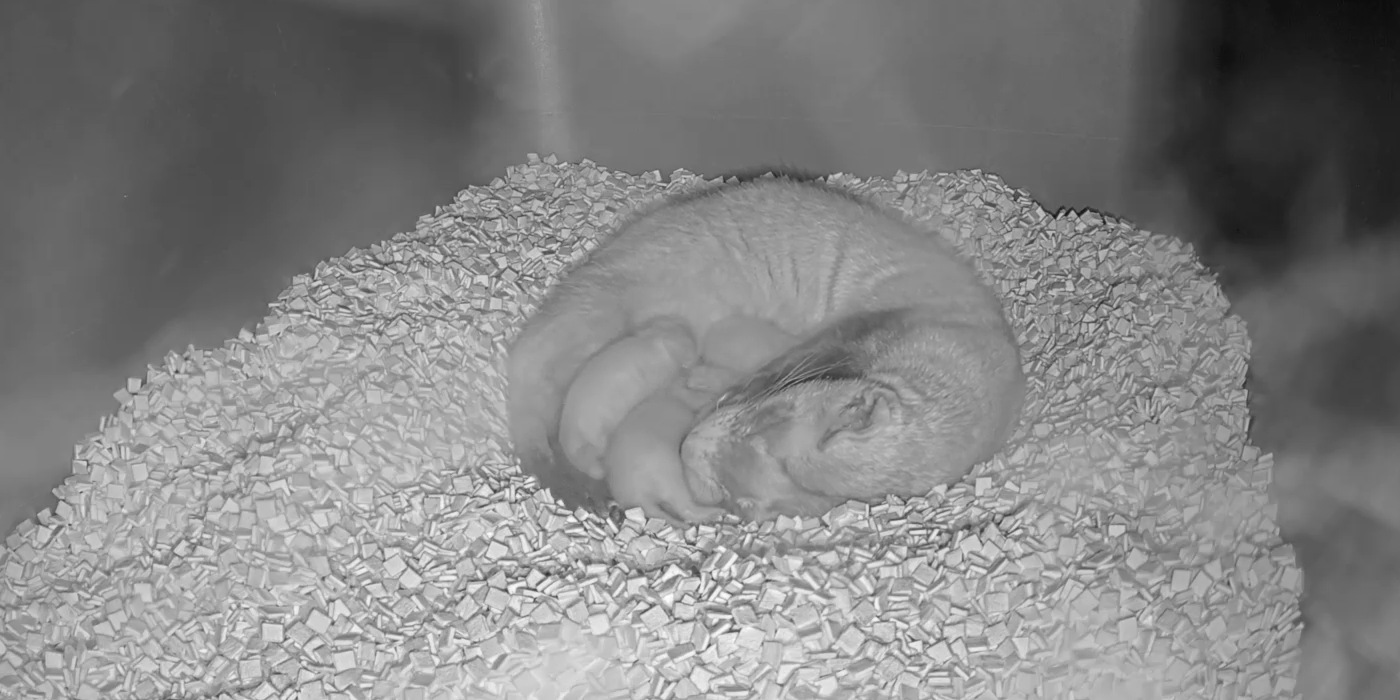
pixel 804 444
pixel 876 404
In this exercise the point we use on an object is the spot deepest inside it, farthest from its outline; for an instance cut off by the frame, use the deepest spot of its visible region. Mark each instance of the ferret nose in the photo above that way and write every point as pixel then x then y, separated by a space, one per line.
pixel 697 460
pixel 692 452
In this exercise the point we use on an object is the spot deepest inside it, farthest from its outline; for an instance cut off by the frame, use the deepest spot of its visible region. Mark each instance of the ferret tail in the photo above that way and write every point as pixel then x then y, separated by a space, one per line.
pixel 541 364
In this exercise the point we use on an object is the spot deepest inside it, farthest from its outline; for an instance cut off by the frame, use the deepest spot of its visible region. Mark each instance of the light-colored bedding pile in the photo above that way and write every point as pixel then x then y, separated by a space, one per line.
pixel 326 507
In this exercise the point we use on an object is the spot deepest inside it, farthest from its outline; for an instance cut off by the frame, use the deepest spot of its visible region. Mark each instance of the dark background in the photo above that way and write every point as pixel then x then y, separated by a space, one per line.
pixel 167 165
pixel 1275 124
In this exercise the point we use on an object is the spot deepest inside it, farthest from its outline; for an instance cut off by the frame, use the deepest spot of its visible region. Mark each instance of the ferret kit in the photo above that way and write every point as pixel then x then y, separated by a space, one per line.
pixel 328 506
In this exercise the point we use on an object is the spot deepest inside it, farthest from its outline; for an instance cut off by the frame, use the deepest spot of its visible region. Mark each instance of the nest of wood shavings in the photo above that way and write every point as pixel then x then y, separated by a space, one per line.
pixel 326 507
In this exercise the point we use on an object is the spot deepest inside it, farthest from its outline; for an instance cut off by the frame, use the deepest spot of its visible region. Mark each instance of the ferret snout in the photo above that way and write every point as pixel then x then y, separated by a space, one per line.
pixel 698 458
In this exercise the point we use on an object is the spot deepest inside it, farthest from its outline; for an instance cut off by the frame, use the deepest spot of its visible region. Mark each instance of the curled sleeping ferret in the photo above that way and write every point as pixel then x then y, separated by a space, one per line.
pixel 899 373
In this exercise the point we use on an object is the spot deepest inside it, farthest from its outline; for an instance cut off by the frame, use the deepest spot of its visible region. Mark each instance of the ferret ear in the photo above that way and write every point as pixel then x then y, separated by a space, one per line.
pixel 870 409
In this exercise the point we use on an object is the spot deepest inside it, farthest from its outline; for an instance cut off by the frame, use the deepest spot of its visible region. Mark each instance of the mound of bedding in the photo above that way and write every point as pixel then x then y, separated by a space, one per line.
pixel 326 506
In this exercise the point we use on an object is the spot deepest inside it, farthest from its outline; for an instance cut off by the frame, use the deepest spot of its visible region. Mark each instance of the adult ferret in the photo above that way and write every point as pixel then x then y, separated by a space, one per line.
pixel 906 376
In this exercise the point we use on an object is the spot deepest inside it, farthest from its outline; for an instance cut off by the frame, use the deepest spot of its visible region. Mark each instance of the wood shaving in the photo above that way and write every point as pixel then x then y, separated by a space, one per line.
pixel 325 507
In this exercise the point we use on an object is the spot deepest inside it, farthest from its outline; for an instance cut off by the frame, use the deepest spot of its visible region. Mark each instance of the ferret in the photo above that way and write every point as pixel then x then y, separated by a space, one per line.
pixel 904 375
